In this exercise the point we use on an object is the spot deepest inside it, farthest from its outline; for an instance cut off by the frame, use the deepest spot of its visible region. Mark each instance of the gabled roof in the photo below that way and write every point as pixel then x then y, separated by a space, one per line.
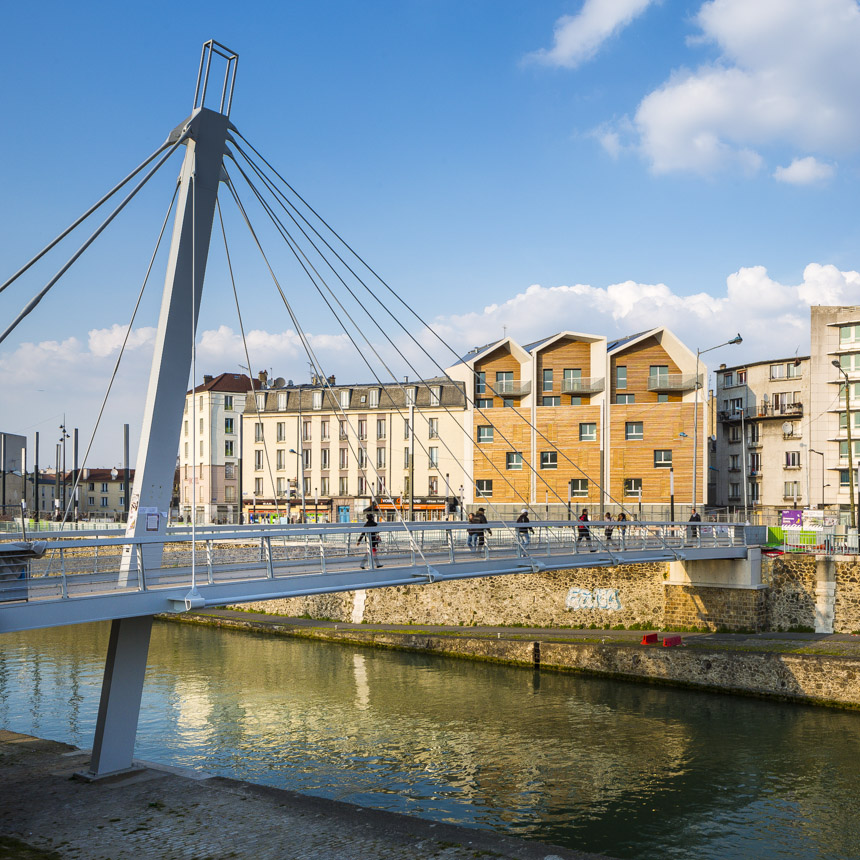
pixel 237 383
pixel 614 345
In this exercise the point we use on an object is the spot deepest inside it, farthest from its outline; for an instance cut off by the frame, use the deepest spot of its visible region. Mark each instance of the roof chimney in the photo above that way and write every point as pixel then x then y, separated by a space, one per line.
pixel 207 378
pixel 263 376
pixel 331 380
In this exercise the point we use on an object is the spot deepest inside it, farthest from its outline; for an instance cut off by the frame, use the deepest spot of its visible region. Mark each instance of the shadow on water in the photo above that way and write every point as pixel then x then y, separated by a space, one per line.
pixel 629 770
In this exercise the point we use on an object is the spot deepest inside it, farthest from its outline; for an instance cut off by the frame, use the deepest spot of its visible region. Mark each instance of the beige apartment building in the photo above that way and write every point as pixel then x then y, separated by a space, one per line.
pixel 573 417
pixel 210 449
pixel 324 452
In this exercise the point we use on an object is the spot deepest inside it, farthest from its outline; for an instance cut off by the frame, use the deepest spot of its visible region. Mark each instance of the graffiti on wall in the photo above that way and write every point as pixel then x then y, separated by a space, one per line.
pixel 600 598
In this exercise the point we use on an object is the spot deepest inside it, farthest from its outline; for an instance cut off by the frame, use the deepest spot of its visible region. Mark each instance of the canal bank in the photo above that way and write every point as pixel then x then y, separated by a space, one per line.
pixel 165 813
pixel 819 669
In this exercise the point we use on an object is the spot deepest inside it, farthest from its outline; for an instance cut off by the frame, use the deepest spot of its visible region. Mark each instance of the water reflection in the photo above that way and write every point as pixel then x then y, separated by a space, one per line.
pixel 629 770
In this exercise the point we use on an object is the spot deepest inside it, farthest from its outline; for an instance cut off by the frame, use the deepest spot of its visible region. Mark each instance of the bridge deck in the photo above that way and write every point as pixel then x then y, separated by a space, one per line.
pixel 79 580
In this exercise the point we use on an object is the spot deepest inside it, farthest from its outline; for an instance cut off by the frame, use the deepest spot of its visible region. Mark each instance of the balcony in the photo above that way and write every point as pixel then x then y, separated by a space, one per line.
pixel 730 415
pixel 583 385
pixel 788 410
pixel 673 382
pixel 508 388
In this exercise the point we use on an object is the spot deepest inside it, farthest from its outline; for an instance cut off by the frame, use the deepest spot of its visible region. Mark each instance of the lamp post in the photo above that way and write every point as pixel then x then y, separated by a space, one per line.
pixel 300 471
pixel 63 436
pixel 842 370
pixel 699 353
pixel 821 454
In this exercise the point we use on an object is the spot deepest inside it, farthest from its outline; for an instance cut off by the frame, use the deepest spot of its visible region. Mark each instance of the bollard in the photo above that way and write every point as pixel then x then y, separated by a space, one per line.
pixel 649 639
pixel 669 641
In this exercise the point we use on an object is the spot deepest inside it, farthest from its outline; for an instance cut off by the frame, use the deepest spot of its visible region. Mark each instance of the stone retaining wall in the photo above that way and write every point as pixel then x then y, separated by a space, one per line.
pixel 798 593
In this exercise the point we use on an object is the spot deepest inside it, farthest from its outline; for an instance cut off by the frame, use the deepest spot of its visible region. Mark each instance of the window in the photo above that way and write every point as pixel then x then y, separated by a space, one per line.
pixel 306 458
pixel 410 395
pixel 662 398
pixel 663 458
pixel 91 500
pixel 735 463
pixel 228 426
pixel 850 363
pixel 633 430
pixel 228 448
pixel 843 422
pixel 282 401
pixel 201 447
pixel 576 400
pixel 434 457
pixel 258 431
pixel 625 398
pixel 380 428
pixel 104 487
pixel 306 431
pixel 658 374
pixel 486 403
pixel 480 383
pixel 362 458
pixel 341 429
pixel 844 479
pixel 734 492
pixel 258 461
pixel 306 484
pixel 324 430
pixel 186 449
pixel 324 485
pixel 433 486
pixel 258 486
pixel 344 398
pixel 261 402
pixel 579 488
pixel 633 487
pixel 92 488
pixel 380 458
pixel 735 405
pixel 343 486
pixel 621 377
pixel 792 459
pixel 793 370
pixel 777 371
pixel 229 471
pixel 324 458
pixel 791 490
pixel 588 432
pixel 362 428
pixel 280 432
pixel 514 460
pixel 753 434
pixel 362 485
pixel 849 334
pixel 380 486
pixel 728 380
pixel 504 382
pixel 843 450
pixel 373 398
pixel 507 403
pixel 317 399
pixel 549 459
pixel 405 458
pixel 572 379
pixel 742 377
pixel 104 501
pixel 547 380
pixel 435 395
pixel 485 433
pixel 186 428
pixel 343 462
pixel 484 489
pixel 281 486
pixel 405 428
pixel 201 425
pixel 550 401
pixel 433 426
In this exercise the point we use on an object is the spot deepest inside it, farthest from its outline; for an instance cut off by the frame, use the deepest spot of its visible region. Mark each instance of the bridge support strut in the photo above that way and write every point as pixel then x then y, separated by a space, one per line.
pixel 119 707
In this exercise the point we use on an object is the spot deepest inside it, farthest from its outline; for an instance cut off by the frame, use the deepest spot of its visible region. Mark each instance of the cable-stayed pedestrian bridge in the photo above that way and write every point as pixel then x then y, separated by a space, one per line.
pixel 97 577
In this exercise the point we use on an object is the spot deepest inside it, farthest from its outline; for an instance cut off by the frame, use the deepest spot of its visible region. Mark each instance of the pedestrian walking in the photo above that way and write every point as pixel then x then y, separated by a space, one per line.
pixel 608 530
pixel 480 518
pixel 524 531
pixel 584 530
pixel 694 518
pixel 372 538
pixel 472 534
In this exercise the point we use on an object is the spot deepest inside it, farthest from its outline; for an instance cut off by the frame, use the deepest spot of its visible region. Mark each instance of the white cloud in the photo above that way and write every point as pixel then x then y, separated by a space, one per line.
pixel 788 74
pixel 804 171
pixel 577 38
pixel 104 341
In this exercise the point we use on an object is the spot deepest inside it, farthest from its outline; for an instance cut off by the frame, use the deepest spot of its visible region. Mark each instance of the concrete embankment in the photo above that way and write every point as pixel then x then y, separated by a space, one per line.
pixel 163 813
pixel 822 669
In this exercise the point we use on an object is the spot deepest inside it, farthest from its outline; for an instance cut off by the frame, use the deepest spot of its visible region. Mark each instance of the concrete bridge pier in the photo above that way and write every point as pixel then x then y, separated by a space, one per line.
pixel 122 688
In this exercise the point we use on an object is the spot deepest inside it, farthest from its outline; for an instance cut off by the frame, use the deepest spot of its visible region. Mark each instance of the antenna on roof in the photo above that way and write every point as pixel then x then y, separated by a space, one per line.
pixel 504 331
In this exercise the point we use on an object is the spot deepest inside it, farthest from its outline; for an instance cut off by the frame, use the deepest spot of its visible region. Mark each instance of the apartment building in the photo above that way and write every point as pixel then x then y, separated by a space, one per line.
pixel 101 493
pixel 324 452
pixel 210 448
pixel 575 417
pixel 762 453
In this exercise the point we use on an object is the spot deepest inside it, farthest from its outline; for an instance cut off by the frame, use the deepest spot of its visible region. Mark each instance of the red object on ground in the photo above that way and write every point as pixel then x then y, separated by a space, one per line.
pixel 669 641
pixel 649 639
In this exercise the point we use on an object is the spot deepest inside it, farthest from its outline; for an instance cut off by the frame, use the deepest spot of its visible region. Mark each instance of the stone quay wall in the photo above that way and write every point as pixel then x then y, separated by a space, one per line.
pixel 798 592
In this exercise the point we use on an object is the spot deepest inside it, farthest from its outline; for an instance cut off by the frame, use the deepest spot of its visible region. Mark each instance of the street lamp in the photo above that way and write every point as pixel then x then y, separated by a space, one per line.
pixel 842 370
pixel 300 472
pixel 701 352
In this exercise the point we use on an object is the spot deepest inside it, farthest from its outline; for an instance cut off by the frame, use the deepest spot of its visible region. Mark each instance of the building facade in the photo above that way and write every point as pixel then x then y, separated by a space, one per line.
pixel 575 419
pixel 324 452
pixel 762 452
pixel 210 449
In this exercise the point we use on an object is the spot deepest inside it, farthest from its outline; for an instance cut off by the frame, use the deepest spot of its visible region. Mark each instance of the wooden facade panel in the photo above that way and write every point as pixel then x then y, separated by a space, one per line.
pixel 566 354
pixel 638 360
pixel 499 361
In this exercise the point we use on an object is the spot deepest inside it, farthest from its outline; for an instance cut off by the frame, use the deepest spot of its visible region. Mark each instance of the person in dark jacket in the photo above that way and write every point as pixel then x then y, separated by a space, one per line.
pixel 481 518
pixel 584 530
pixel 372 538
pixel 524 531
pixel 694 518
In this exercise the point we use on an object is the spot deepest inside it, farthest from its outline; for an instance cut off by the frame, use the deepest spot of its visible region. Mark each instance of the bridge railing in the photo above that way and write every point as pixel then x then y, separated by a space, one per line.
pixel 72 566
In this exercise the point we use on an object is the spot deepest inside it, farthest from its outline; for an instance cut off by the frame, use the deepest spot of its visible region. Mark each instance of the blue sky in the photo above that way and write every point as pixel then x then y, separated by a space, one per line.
pixel 601 166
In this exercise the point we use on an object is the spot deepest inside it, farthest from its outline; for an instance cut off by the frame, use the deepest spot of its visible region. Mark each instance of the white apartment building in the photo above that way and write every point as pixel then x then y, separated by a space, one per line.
pixel 762 447
pixel 325 452
pixel 210 449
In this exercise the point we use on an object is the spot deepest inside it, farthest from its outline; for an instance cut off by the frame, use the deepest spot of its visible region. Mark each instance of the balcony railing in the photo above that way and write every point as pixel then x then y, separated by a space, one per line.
pixel 730 415
pixel 508 388
pixel 583 385
pixel 668 382
pixel 787 410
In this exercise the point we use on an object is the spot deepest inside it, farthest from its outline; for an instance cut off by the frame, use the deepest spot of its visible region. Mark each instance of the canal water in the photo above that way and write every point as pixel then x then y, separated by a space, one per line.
pixel 606 766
